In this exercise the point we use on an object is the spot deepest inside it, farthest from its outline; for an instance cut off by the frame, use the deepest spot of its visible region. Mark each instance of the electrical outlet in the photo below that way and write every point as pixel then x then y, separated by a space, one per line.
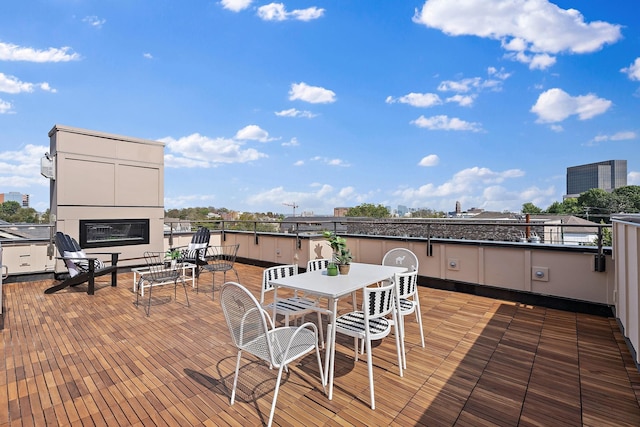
pixel 540 274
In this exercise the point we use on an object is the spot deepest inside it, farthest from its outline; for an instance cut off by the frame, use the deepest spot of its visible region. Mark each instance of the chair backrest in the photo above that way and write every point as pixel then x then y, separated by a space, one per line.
pixel 158 271
pixel 245 318
pixel 75 257
pixel 406 284
pixel 317 264
pixel 273 273
pixel 200 239
pixel 401 257
pixel 66 243
pixel 379 301
pixel 222 258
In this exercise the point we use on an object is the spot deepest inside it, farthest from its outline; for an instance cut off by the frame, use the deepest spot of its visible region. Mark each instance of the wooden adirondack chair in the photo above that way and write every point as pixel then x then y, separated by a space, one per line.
pixel 82 267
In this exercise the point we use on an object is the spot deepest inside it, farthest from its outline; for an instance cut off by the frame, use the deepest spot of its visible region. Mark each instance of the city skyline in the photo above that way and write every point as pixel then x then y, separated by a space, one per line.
pixel 326 103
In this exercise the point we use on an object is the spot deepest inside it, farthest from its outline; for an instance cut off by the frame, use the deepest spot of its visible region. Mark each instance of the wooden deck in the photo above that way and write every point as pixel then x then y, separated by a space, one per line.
pixel 73 359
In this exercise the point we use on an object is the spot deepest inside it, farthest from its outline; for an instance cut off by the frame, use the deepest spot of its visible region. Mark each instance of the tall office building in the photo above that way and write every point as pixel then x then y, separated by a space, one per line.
pixel 607 175
pixel 14 196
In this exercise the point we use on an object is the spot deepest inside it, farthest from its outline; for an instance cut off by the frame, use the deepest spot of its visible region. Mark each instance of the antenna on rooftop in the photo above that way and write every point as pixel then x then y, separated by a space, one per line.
pixel 293 205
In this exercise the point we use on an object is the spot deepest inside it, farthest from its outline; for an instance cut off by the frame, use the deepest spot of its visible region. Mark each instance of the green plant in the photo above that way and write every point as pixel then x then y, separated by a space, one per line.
pixel 172 254
pixel 341 253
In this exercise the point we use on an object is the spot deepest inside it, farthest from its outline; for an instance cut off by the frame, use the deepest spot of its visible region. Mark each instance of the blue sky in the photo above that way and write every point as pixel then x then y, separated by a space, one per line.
pixel 329 103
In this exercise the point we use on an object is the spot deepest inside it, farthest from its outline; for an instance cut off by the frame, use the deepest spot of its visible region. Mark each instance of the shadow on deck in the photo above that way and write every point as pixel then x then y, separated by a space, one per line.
pixel 70 358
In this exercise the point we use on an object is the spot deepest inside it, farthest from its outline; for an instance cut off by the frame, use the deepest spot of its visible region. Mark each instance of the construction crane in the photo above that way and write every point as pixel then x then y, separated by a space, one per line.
pixel 293 205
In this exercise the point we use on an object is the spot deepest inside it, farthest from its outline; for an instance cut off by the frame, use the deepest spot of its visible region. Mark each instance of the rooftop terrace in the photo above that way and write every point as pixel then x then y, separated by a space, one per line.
pixel 73 359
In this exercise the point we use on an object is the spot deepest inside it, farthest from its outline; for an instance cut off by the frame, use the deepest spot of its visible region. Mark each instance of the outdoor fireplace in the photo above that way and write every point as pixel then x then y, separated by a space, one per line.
pixel 100 233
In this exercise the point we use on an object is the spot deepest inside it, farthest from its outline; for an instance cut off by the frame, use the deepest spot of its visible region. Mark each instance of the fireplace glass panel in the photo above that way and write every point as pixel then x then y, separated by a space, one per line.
pixel 113 232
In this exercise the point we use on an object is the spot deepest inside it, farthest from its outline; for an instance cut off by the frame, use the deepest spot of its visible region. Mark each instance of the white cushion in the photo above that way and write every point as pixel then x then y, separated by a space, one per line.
pixel 77 263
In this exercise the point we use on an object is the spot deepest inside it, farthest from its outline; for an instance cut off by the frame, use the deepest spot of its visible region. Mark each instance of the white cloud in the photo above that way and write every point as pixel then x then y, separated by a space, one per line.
pixel 476 84
pixel 311 94
pixel 5 107
pixel 253 133
pixel 462 100
pixel 531 31
pixel 278 12
pixel 21 168
pixel 430 160
pixel 416 99
pixel 633 70
pixel 460 86
pixel 11 84
pixel 292 112
pixel 633 178
pixel 618 136
pixel 320 198
pixel 147 55
pixel 307 14
pixel 200 151
pixel 12 52
pixel 183 200
pixel 463 86
pixel 299 163
pixel 278 195
pixel 94 21
pixel 235 5
pixel 555 105
pixel 443 122
pixel 330 162
pixel 293 142
pixel 272 12
pixel 473 187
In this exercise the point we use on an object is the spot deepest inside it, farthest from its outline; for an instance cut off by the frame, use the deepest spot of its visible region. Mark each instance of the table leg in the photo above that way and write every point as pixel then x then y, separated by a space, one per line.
pixel 275 298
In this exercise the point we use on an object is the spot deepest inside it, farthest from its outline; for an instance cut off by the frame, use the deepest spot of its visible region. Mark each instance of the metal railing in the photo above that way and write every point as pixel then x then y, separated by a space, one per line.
pixel 534 232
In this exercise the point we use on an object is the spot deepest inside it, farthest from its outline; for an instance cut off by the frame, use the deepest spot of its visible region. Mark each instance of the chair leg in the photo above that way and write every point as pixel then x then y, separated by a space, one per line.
pixel 184 286
pixel 275 396
pixel 370 369
pixel 149 305
pixel 235 377
pixel 213 285
pixel 403 350
pixel 399 345
pixel 355 346
pixel 420 325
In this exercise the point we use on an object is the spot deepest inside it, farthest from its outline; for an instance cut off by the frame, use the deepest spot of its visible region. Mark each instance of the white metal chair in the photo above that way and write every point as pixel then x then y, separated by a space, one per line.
pixel 408 303
pixel 318 264
pixel 401 257
pixel 372 324
pixel 159 274
pixel 252 331
pixel 295 306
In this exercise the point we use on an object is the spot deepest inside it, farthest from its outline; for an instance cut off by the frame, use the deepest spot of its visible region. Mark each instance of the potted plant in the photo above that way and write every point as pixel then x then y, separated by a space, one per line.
pixel 341 253
pixel 173 255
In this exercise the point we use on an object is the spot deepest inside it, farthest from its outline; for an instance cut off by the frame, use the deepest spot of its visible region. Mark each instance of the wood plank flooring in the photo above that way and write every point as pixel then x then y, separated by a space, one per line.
pixel 73 359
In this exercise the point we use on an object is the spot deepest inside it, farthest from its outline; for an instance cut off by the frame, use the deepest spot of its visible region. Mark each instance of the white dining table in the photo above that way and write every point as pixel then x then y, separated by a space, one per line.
pixel 333 288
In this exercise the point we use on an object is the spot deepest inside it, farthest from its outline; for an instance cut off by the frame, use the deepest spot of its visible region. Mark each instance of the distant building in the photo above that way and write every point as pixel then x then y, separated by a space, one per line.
pixel 340 211
pixel 14 196
pixel 402 210
pixel 607 175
